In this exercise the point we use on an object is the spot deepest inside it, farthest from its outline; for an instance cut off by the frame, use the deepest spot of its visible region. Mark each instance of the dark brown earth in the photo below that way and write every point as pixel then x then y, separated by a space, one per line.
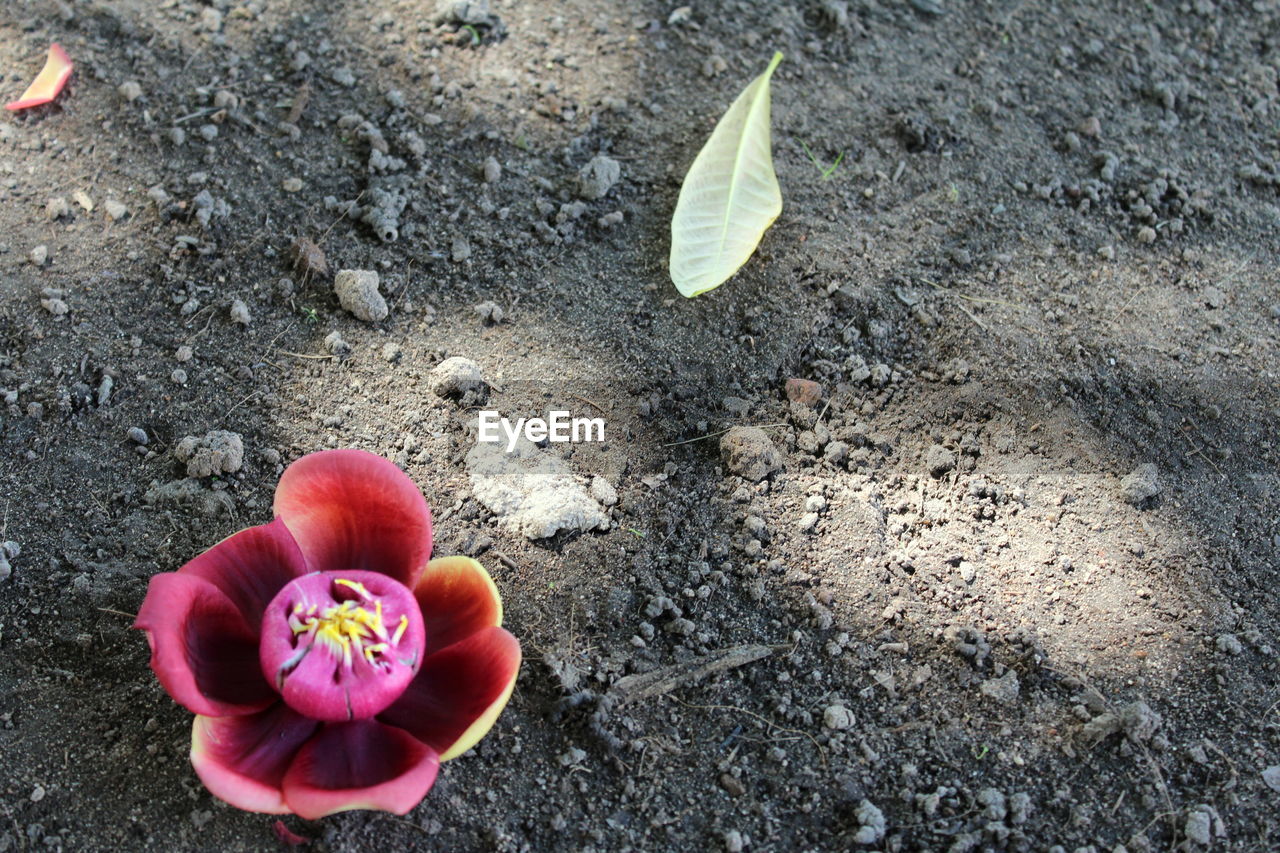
pixel 1047 258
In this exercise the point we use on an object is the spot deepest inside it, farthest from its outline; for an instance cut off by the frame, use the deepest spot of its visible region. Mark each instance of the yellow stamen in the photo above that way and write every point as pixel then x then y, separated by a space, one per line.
pixel 345 627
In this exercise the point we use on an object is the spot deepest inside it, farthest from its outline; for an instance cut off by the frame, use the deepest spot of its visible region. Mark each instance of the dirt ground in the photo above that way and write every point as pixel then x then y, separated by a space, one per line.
pixel 964 615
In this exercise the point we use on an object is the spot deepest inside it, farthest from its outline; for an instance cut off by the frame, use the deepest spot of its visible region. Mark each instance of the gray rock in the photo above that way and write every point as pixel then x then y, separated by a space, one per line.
pixel 1230 644
pixel 335 345
pixel 603 491
pixel 217 452
pixel 837 718
pixel 240 312
pixel 1271 777
pixel 1003 689
pixel 872 821
pixel 455 376
pixel 1199 826
pixel 139 436
pixel 492 170
pixel 532 492
pixel 10 549
pixel 1136 720
pixel 357 291
pixel 489 312
pixel 598 177
pixel 939 460
pixel 749 453
pixel 1141 484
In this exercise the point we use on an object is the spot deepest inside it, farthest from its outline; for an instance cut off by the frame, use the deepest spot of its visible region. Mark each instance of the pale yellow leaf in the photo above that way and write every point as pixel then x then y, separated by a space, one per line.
pixel 730 195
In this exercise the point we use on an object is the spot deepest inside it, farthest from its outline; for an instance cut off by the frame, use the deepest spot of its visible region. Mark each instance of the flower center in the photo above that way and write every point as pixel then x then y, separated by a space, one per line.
pixel 341 645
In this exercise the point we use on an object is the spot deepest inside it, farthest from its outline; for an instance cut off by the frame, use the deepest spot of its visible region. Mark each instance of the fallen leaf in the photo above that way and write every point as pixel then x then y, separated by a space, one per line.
pixel 730 195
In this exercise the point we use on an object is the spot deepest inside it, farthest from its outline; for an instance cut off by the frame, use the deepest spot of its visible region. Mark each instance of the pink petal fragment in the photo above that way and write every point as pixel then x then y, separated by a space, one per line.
pixel 359 765
pixel 352 510
pixel 459 692
pixel 48 83
pixel 287 836
pixel 251 567
pixel 243 760
pixel 202 650
pixel 457 598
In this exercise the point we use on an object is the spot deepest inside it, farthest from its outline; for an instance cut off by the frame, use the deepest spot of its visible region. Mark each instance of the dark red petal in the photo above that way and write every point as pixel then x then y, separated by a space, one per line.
pixel 243 760
pixel 459 692
pixel 359 765
pixel 202 649
pixel 251 567
pixel 352 510
pixel 457 598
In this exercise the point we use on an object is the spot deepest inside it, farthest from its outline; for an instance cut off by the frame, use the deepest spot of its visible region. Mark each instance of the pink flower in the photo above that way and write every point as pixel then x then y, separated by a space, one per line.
pixel 330 665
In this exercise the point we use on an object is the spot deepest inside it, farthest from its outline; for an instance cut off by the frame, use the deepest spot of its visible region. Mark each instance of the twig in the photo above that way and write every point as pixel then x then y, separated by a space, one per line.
pixel 597 406
pixel 300 99
pixel 657 682
pixel 1196 451
pixel 822 753
pixel 714 434
pixel 506 561
pixel 307 355
pixel 118 612
pixel 974 318
pixel 956 293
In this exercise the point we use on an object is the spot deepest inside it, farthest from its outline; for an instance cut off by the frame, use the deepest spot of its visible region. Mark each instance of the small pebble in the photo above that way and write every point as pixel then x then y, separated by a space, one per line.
pixel 492 170
pixel 130 90
pixel 837 718
pixel 183 354
pixel 357 292
pixel 138 436
pixel 116 210
pixel 291 185
pixel 39 255
pixel 179 376
pixel 240 312
pixel 490 313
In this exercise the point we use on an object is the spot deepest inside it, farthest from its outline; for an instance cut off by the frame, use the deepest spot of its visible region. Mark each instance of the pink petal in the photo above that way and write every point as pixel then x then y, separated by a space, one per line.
pixel 251 567
pixel 459 692
pixel 202 649
pixel 457 598
pixel 359 765
pixel 48 83
pixel 243 760
pixel 352 510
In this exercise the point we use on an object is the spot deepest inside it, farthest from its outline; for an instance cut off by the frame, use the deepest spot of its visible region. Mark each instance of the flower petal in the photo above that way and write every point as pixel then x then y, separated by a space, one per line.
pixel 251 567
pixel 459 692
pixel 352 510
pixel 202 649
pixel 359 765
pixel 457 598
pixel 48 83
pixel 243 760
